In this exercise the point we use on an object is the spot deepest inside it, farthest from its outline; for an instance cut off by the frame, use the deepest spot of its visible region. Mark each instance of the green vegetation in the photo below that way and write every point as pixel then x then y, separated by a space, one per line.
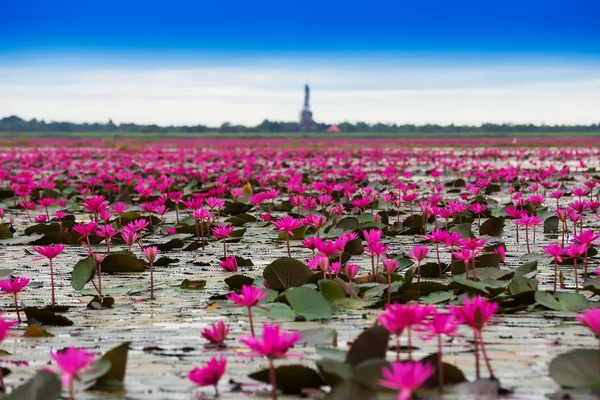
pixel 292 135
pixel 13 126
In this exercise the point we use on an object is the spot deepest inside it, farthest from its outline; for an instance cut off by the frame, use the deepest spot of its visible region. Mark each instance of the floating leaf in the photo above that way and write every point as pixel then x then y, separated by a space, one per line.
pixel 308 303
pixel 368 372
pixel 526 268
pixel 372 343
pixel 348 224
pixel 83 272
pixel 592 285
pixel 107 302
pixel 164 261
pixel 299 234
pixel 452 374
pixel 562 301
pixel 276 312
pixel 171 244
pixel 319 337
pixel 291 379
pixel 235 282
pixel 45 317
pixel 577 369
pixel 21 240
pixel 43 229
pixel 438 297
pixel 193 284
pixel 354 247
pixel 122 262
pixel 331 290
pixel 118 364
pixel 241 219
pixel 286 273
pixel 350 390
pixel 463 229
pixel 492 226
pixel 551 224
pixel 43 386
pixel 35 331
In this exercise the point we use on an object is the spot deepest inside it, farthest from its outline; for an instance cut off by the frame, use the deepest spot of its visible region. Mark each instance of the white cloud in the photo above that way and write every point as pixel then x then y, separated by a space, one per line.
pixel 341 91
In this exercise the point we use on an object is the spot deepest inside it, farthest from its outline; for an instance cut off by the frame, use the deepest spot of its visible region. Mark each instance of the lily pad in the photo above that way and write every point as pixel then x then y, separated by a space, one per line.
pixel 492 227
pixel 83 272
pixel 562 301
pixel 308 303
pixel 291 379
pixel 285 273
pixel 331 290
pixel 370 344
pixel 577 369
pixel 118 364
pixel 122 262
pixel 235 282
pixel 45 317
pixel 43 386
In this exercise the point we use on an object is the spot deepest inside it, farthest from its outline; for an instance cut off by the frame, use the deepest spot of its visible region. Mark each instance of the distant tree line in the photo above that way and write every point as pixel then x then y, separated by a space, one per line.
pixel 16 124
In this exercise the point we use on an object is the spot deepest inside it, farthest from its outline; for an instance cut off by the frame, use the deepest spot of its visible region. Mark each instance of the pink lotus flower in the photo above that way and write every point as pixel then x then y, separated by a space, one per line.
pixel 229 264
pixel 555 251
pixel 287 225
pixel 14 286
pixel 418 253
pixel 398 317
pixel 5 327
pixel 351 271
pixel 574 251
pixel 476 313
pixel 210 374
pixel 249 297
pixel 591 319
pixel 216 333
pixel 372 235
pixel 71 362
pixel 405 377
pixel 274 342
pixel 50 252
pixel 151 253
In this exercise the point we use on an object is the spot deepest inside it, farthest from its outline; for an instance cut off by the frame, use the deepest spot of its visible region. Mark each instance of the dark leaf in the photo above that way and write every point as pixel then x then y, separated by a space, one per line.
pixel 492 226
pixel 118 364
pixel 193 284
pixel 577 369
pixel 35 331
pixel 331 290
pixel 83 272
pixel 551 224
pixel 43 386
pixel 241 219
pixel 354 247
pixel 45 317
pixel 372 343
pixel 308 303
pixel 286 273
pixel 107 302
pixel 452 374
pixel 122 262
pixel 235 282
pixel 350 390
pixel 291 379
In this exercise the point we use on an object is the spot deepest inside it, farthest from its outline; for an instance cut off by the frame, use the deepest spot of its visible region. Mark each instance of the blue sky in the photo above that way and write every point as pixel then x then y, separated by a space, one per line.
pixel 243 61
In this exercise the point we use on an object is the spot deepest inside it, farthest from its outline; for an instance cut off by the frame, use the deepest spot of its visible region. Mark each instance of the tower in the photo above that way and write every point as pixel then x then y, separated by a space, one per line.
pixel 306 120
